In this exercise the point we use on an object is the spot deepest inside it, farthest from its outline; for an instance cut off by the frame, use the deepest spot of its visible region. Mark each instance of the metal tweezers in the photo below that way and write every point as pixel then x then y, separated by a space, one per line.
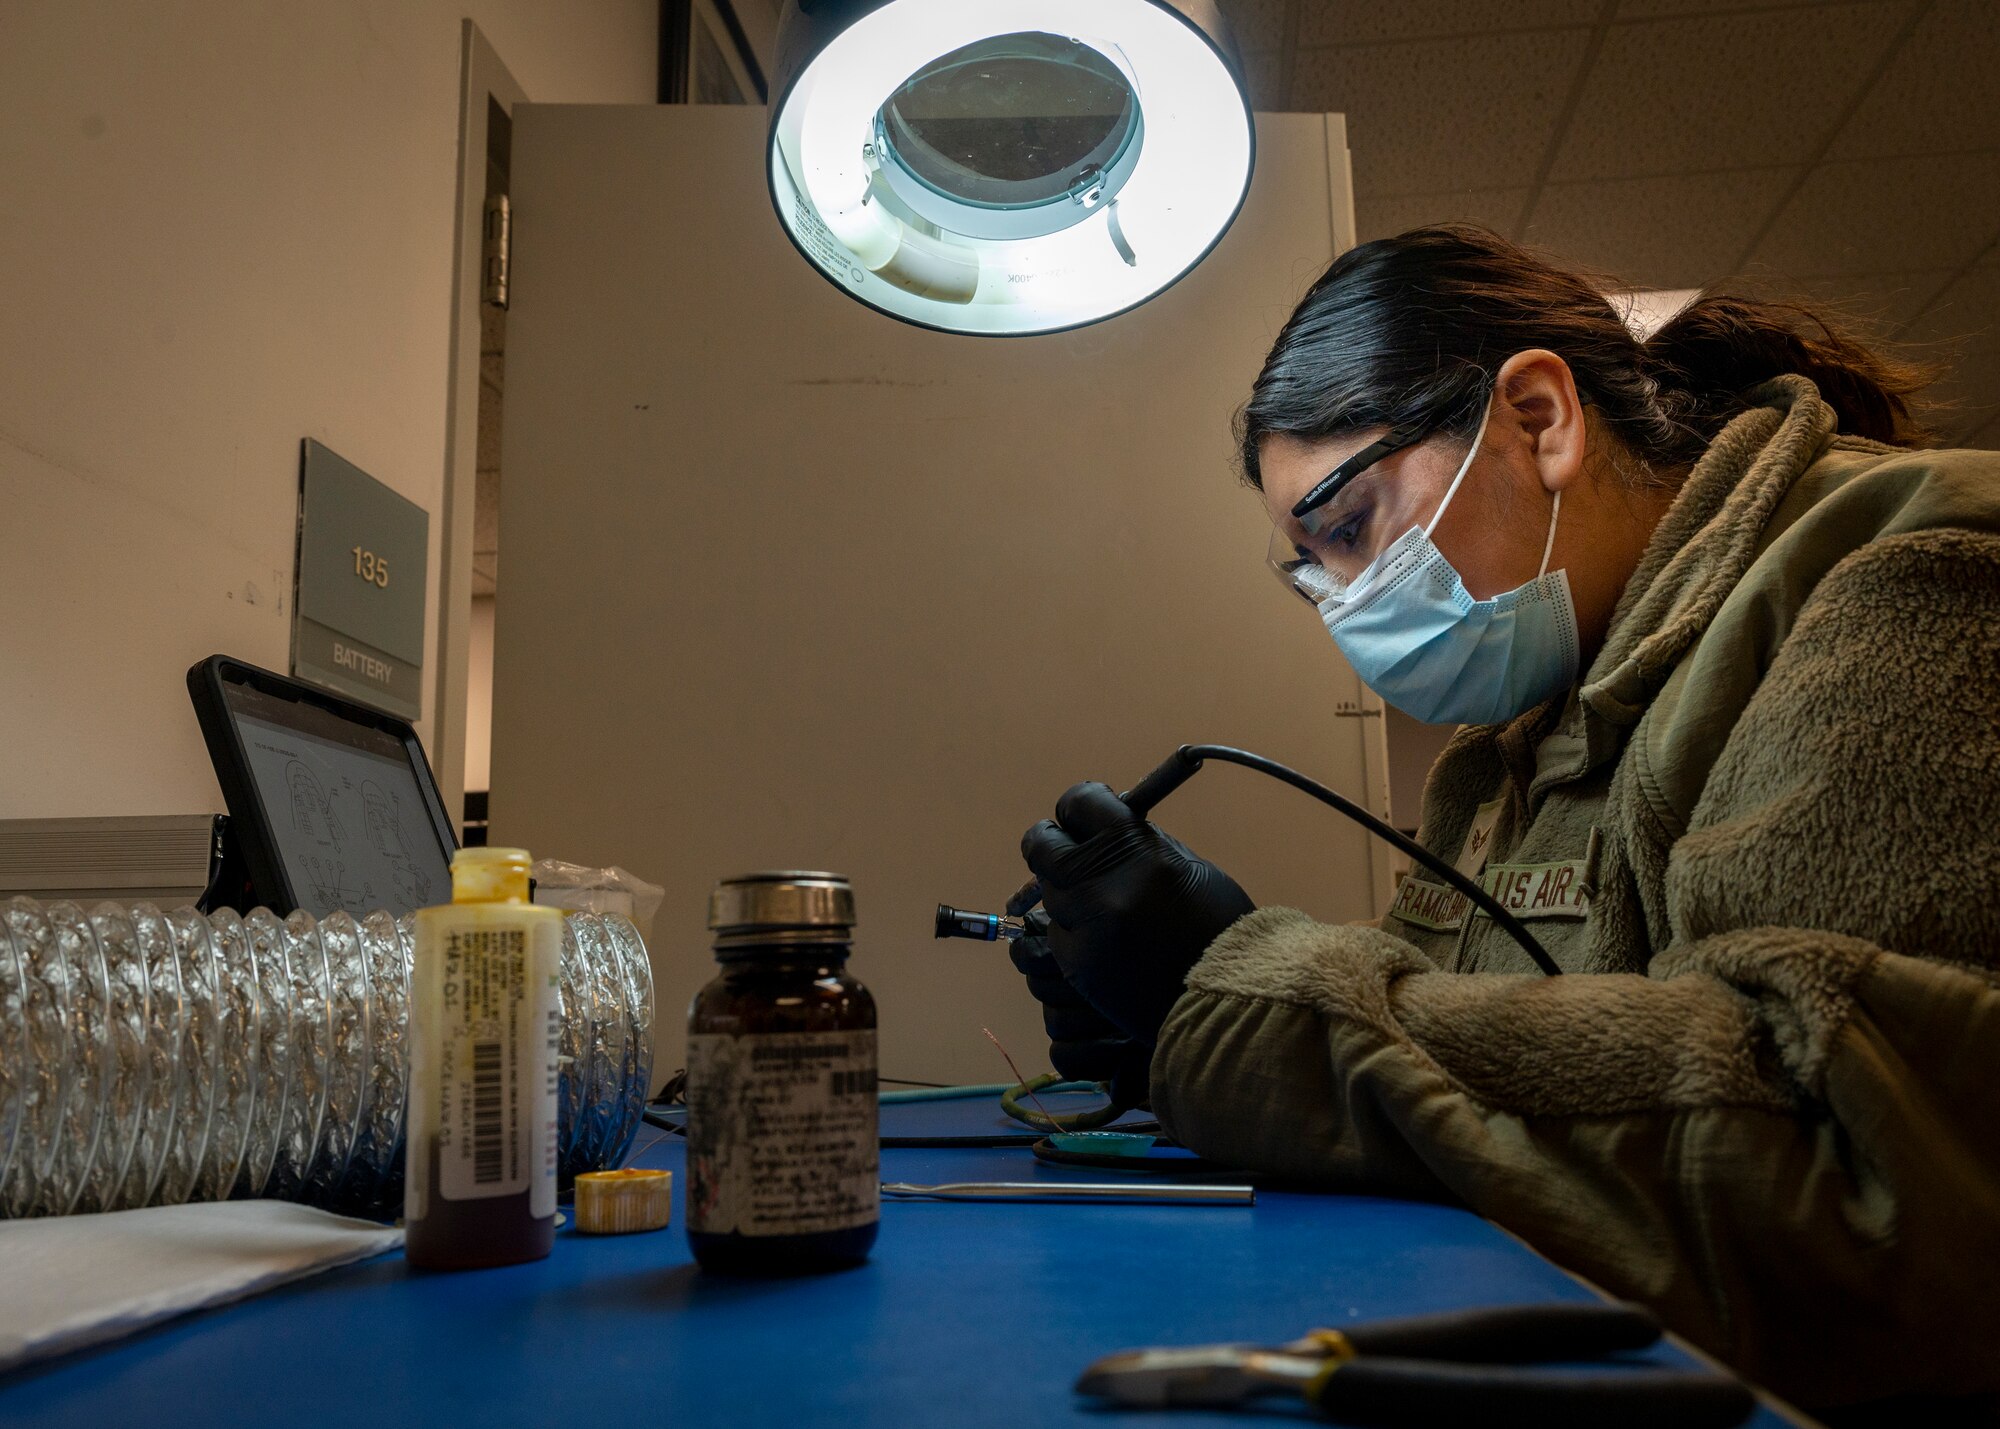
pixel 1147 1191
pixel 1458 1368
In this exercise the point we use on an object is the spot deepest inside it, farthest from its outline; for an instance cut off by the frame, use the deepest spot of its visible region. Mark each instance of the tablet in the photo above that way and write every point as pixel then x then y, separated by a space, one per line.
pixel 331 803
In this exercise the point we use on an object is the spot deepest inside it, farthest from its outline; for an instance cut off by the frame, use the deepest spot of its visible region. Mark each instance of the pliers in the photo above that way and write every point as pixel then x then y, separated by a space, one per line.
pixel 1461 1367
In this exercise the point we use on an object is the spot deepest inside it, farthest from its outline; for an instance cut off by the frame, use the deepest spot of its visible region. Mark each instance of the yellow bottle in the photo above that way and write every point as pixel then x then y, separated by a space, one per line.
pixel 485 1023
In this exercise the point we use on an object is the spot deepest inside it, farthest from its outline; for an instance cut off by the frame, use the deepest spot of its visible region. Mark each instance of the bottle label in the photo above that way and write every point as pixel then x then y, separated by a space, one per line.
pixel 493 1112
pixel 782 1133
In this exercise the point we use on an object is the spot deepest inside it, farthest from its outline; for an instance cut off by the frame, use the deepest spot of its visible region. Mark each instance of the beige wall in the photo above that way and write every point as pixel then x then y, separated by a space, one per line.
pixel 1413 749
pixel 228 225
pixel 790 584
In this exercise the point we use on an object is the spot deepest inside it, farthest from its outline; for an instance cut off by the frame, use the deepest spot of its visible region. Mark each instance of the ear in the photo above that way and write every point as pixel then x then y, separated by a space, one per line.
pixel 1537 396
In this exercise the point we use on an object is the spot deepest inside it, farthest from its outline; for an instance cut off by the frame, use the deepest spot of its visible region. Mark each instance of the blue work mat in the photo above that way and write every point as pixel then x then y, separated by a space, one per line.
pixel 968 1314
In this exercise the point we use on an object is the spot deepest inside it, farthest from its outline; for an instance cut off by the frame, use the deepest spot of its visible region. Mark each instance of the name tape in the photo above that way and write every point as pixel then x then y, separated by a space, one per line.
pixel 1527 890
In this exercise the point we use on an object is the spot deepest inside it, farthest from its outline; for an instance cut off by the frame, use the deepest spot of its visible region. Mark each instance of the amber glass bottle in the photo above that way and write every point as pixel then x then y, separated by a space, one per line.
pixel 783 1160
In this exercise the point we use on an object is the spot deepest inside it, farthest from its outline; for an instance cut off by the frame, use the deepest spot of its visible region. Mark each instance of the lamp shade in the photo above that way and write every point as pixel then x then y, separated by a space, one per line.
pixel 1006 167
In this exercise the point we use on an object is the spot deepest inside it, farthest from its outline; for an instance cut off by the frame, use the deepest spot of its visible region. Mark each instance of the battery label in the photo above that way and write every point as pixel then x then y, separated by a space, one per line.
pixel 782 1133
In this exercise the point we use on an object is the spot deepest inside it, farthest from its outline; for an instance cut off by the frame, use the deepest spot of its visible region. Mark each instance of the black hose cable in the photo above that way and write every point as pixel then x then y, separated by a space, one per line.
pixel 1195 754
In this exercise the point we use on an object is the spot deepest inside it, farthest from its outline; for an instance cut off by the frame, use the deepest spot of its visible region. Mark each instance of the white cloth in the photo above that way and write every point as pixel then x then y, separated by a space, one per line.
pixel 72 1281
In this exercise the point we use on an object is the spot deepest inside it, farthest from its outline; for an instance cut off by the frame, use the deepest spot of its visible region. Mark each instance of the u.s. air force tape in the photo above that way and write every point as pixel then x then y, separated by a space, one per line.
pixel 1527 890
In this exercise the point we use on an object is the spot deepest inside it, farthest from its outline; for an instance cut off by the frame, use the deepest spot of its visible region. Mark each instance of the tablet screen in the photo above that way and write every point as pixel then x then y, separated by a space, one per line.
pixel 343 802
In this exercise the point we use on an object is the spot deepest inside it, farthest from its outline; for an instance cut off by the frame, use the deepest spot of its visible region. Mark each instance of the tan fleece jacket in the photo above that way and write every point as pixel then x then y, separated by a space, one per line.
pixel 1763 841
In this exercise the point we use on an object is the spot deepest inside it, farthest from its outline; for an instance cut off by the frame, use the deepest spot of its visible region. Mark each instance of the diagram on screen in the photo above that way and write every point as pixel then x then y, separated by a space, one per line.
pixel 327 880
pixel 312 810
pixel 355 829
pixel 383 816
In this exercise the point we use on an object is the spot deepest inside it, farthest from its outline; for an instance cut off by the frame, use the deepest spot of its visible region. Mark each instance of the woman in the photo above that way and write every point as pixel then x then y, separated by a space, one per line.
pixel 1727 646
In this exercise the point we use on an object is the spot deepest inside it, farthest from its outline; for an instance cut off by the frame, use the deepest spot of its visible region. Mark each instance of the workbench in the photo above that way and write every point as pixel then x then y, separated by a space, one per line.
pixel 967 1314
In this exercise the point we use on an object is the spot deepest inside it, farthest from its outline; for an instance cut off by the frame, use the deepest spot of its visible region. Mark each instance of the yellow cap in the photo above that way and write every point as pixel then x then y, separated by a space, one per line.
pixel 490 875
pixel 618 1202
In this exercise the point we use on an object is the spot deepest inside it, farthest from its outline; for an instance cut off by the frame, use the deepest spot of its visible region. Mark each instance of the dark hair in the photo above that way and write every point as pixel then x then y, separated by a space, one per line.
pixel 1415 328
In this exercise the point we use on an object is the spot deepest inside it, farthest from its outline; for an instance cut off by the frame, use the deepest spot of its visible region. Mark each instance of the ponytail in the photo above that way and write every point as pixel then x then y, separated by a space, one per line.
pixel 1415 328
pixel 1718 347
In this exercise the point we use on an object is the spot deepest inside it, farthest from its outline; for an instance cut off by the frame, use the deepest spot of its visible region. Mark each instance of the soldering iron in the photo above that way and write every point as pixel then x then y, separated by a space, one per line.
pixel 1175 771
pixel 980 927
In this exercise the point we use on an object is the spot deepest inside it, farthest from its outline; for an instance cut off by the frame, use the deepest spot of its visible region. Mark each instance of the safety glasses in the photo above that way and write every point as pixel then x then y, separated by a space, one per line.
pixel 1336 529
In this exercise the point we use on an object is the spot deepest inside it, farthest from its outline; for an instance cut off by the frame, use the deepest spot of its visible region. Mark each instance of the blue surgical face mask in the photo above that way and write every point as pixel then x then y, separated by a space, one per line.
pixel 1419 640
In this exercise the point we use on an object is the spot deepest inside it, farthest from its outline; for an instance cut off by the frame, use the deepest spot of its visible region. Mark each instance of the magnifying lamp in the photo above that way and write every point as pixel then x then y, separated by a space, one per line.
pixel 1006 167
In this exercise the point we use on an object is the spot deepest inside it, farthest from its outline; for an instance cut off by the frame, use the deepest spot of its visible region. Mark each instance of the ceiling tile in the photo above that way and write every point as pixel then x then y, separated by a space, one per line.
pixel 1879 302
pixel 1962 328
pixel 1887 216
pixel 1263 73
pixel 1968 404
pixel 1966 314
pixel 1348 22
pixel 1384 216
pixel 1942 92
pixel 1258 24
pixel 1641 9
pixel 1677 232
pixel 1444 115
pixel 1748 90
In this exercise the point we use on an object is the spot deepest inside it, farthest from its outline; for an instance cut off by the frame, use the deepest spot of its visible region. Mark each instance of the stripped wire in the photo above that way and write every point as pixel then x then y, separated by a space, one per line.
pixel 1018 1078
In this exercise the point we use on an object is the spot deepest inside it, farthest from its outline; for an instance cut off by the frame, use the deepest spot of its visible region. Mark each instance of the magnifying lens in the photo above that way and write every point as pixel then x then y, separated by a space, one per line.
pixel 1006 167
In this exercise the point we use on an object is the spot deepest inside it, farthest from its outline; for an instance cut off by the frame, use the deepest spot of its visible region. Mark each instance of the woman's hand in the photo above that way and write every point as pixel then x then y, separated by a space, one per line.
pixel 1130 908
pixel 1084 1045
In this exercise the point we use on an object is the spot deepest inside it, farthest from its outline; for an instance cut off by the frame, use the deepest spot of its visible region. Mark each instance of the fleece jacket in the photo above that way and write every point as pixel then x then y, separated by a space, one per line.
pixel 1762 840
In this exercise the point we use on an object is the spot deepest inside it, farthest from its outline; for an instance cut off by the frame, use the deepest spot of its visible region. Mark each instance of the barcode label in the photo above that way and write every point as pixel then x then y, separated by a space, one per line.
pixel 498 1023
pixel 488 1127
pixel 858 1082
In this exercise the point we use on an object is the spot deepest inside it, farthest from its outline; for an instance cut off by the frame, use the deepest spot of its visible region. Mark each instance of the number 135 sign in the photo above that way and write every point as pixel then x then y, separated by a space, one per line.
pixel 358 622
pixel 371 568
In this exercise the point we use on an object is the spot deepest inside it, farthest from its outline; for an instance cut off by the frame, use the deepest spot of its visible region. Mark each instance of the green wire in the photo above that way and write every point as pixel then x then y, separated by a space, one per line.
pixel 944 1094
pixel 1078 1121
pixel 983 1089
pixel 1010 1101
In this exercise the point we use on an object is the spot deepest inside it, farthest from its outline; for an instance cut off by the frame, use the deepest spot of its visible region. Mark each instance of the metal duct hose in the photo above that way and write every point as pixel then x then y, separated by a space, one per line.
pixel 151 1058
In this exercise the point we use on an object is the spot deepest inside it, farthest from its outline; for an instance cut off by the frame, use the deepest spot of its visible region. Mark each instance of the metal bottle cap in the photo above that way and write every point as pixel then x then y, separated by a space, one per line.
pixel 781 906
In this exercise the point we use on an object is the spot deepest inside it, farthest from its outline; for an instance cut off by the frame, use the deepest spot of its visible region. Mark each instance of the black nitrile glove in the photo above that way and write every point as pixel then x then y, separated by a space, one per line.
pixel 1130 908
pixel 1084 1045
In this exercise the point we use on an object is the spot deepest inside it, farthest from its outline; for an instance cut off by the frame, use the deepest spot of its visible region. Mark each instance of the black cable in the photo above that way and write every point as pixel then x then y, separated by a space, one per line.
pixel 1197 753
